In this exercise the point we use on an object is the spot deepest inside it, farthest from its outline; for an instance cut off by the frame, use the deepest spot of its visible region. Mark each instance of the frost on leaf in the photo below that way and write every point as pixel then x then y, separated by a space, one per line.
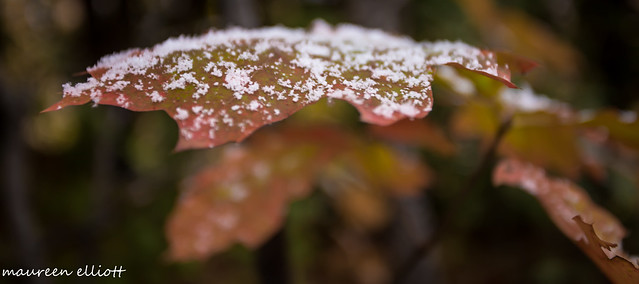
pixel 221 86
pixel 243 198
pixel 572 211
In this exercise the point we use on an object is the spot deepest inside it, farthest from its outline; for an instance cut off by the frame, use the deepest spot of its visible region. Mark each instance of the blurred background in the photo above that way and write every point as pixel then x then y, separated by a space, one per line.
pixel 95 185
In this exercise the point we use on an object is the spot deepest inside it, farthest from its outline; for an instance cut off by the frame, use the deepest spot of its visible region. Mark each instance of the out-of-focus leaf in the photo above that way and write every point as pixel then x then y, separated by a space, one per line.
pixel 223 85
pixel 622 127
pixel 516 31
pixel 362 179
pixel 569 207
pixel 542 130
pixel 243 198
pixel 420 133
pixel 543 139
pixel 476 118
pixel 384 168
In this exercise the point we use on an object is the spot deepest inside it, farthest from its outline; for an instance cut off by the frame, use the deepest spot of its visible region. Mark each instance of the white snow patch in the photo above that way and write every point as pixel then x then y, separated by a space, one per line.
pixel 182 114
pixel 628 117
pixel 526 100
pixel 196 109
pixel 155 97
pixel 253 105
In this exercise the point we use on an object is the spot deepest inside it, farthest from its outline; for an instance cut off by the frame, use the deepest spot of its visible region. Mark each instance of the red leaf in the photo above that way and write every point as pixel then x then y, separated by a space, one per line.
pixel 221 86
pixel 569 207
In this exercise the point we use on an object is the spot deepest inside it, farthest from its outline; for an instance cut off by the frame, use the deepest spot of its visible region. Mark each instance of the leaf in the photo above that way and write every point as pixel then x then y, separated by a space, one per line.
pixel 244 196
pixel 521 33
pixel 620 268
pixel 543 139
pixel 569 207
pixel 622 126
pixel 223 85
pixel 420 132
pixel 362 179
pixel 543 131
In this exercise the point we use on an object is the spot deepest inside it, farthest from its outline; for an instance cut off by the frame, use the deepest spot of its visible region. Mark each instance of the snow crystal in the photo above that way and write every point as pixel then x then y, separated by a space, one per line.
pixel 253 105
pixel 239 81
pixel 121 100
pixel 196 109
pixel 247 55
pixel 78 89
pixel 184 63
pixel 182 114
pixel 155 97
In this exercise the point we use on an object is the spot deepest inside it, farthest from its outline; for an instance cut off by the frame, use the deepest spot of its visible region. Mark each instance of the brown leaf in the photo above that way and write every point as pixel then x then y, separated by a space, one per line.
pixel 619 268
pixel 569 207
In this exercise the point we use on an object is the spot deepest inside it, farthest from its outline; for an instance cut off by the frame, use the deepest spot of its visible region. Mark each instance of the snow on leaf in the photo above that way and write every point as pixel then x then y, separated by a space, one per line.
pixel 223 85
pixel 569 207
pixel 243 198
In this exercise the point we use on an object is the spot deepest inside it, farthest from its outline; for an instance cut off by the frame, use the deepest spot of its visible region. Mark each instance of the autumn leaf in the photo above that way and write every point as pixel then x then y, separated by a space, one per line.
pixel 363 179
pixel 621 126
pixel 520 33
pixel 572 211
pixel 541 130
pixel 418 132
pixel 223 85
pixel 243 197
